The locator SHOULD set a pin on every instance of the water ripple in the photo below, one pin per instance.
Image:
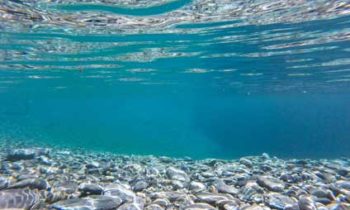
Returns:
(252, 45)
(153, 10)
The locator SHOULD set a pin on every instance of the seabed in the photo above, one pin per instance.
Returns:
(52, 178)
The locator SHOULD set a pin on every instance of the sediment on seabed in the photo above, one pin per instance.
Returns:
(44, 178)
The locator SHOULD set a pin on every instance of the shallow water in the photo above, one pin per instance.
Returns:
(178, 78)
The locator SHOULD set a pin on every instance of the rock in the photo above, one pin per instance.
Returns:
(326, 177)
(38, 183)
(230, 206)
(265, 167)
(92, 164)
(293, 207)
(4, 183)
(324, 201)
(169, 195)
(246, 162)
(257, 198)
(271, 183)
(94, 202)
(177, 174)
(22, 177)
(185, 201)
(211, 198)
(48, 170)
(25, 154)
(18, 199)
(177, 184)
(117, 190)
(151, 172)
(323, 193)
(290, 178)
(208, 174)
(109, 181)
(339, 206)
(343, 184)
(17, 167)
(306, 203)
(250, 191)
(140, 185)
(199, 206)
(265, 156)
(137, 204)
(254, 207)
(5, 168)
(67, 186)
(52, 197)
(129, 206)
(342, 171)
(224, 188)
(278, 201)
(196, 186)
(45, 160)
(154, 207)
(162, 202)
(90, 189)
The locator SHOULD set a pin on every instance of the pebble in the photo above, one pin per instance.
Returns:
(246, 162)
(45, 160)
(224, 188)
(25, 154)
(140, 185)
(306, 203)
(278, 201)
(343, 184)
(18, 199)
(129, 206)
(4, 183)
(255, 207)
(38, 183)
(90, 189)
(199, 206)
(196, 186)
(94, 202)
(162, 202)
(211, 198)
(154, 207)
(177, 174)
(249, 191)
(51, 179)
(271, 183)
(339, 206)
(119, 191)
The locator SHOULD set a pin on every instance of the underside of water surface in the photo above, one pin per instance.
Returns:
(197, 78)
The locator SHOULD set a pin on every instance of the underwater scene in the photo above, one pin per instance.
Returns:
(175, 104)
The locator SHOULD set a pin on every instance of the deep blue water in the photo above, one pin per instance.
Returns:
(174, 123)
(177, 78)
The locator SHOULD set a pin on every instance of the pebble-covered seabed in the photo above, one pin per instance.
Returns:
(48, 178)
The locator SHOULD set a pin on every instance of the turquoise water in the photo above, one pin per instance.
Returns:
(179, 78)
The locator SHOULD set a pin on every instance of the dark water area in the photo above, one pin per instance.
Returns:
(179, 123)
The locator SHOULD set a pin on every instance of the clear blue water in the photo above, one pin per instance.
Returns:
(179, 78)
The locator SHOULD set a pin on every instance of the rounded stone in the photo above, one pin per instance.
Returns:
(278, 201)
(38, 183)
(90, 189)
(94, 202)
(271, 183)
(18, 199)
